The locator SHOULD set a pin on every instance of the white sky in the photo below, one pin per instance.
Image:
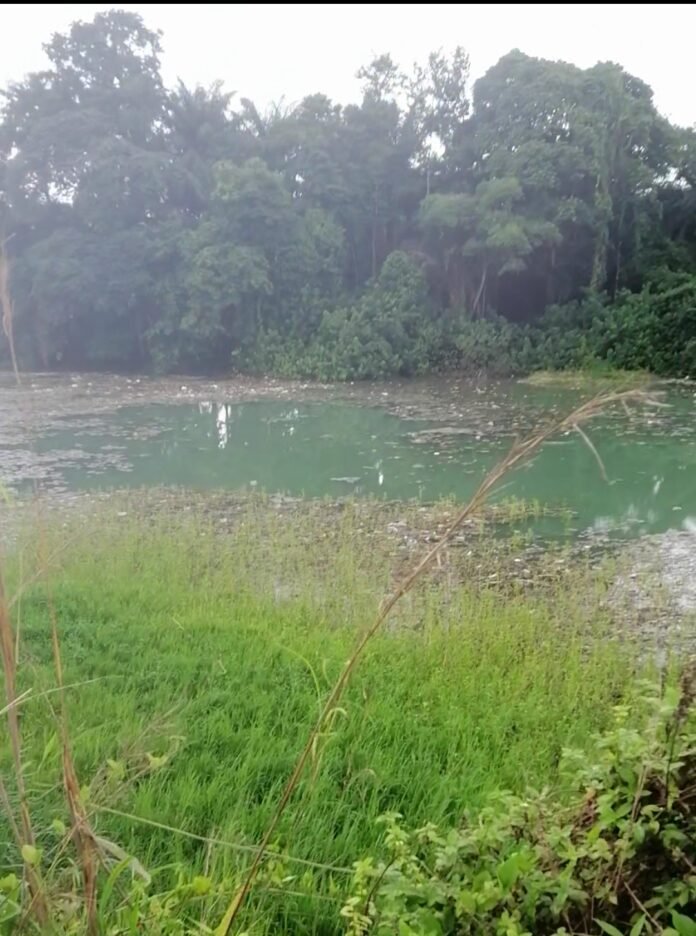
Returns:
(273, 51)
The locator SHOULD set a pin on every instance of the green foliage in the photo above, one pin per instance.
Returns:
(391, 329)
(492, 346)
(182, 229)
(609, 851)
(189, 702)
(654, 330)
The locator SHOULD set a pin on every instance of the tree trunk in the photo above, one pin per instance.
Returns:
(374, 248)
(604, 209)
(41, 342)
(617, 274)
(375, 217)
(550, 293)
(481, 292)
(453, 274)
(599, 260)
(7, 308)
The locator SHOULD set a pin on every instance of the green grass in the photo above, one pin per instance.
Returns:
(216, 651)
(594, 377)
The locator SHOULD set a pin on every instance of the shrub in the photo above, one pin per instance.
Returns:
(611, 851)
(494, 346)
(653, 330)
(390, 330)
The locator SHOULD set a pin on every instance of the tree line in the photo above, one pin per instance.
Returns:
(545, 216)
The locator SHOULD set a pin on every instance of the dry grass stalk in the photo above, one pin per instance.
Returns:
(520, 452)
(687, 691)
(211, 840)
(22, 829)
(82, 834)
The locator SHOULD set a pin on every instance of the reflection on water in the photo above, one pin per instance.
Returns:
(337, 449)
(222, 417)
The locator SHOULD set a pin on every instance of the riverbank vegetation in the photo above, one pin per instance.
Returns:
(543, 218)
(195, 655)
(195, 658)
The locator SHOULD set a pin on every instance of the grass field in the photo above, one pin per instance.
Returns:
(199, 661)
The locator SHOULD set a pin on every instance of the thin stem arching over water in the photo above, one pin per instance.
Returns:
(520, 453)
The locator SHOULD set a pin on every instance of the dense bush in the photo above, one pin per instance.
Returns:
(495, 346)
(654, 330)
(392, 329)
(613, 850)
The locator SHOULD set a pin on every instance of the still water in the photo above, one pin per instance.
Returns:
(337, 449)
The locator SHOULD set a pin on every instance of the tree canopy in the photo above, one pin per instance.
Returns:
(183, 228)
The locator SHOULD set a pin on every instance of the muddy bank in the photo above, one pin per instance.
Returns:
(643, 592)
(478, 405)
(648, 586)
(655, 588)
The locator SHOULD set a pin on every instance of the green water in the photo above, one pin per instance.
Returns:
(339, 449)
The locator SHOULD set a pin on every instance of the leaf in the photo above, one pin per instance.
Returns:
(31, 854)
(685, 926)
(49, 748)
(637, 927)
(117, 768)
(608, 928)
(9, 884)
(466, 902)
(108, 887)
(201, 885)
(509, 871)
(155, 762)
(225, 923)
(115, 850)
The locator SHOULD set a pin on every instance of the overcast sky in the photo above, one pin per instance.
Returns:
(272, 51)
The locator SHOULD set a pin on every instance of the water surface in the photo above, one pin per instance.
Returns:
(338, 448)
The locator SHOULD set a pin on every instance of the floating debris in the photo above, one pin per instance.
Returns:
(426, 436)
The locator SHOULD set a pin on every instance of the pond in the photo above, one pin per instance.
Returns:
(386, 445)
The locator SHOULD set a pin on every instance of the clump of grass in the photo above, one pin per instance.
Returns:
(197, 687)
(592, 377)
(20, 822)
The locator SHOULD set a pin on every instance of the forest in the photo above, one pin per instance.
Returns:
(543, 217)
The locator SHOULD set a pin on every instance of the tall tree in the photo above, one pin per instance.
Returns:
(184, 227)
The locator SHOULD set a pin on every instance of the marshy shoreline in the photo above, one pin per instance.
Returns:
(201, 630)
(651, 592)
